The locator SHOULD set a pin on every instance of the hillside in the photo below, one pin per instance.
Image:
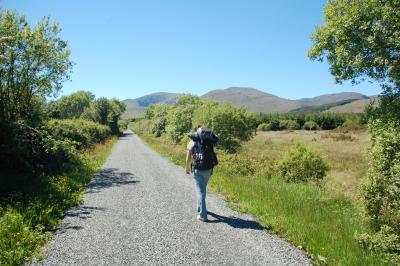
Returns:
(258, 101)
(357, 106)
(254, 100)
(135, 107)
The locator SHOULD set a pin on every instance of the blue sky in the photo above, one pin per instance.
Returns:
(127, 49)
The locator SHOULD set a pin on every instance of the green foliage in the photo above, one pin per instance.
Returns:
(82, 132)
(106, 112)
(36, 61)
(289, 124)
(323, 120)
(179, 122)
(17, 239)
(360, 39)
(381, 194)
(26, 153)
(386, 241)
(265, 127)
(231, 124)
(158, 113)
(71, 106)
(310, 125)
(302, 164)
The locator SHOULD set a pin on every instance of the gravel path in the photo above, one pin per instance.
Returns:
(140, 210)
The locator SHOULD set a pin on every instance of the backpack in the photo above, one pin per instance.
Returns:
(203, 155)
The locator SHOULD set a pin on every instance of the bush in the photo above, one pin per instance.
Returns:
(381, 194)
(302, 164)
(288, 124)
(84, 133)
(123, 125)
(265, 127)
(231, 124)
(310, 125)
(17, 240)
(27, 153)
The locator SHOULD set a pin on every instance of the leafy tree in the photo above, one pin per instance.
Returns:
(232, 124)
(71, 106)
(117, 108)
(179, 120)
(34, 62)
(360, 39)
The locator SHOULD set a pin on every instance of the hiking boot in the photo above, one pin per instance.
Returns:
(202, 219)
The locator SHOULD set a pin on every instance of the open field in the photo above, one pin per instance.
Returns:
(324, 221)
(345, 151)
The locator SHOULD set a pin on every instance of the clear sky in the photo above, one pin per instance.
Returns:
(127, 49)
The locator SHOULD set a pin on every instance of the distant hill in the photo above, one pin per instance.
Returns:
(354, 107)
(254, 100)
(135, 107)
(323, 107)
(331, 98)
(258, 101)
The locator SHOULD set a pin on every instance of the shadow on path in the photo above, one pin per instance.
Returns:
(235, 222)
(110, 177)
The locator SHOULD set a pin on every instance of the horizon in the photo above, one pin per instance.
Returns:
(131, 49)
(200, 95)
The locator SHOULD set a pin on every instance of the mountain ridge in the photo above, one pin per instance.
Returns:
(252, 99)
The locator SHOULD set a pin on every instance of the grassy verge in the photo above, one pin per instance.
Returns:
(322, 223)
(26, 218)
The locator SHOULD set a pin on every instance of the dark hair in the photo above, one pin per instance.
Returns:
(197, 127)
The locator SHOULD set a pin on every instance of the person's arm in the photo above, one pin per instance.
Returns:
(188, 159)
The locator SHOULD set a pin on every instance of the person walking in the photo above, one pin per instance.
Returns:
(200, 160)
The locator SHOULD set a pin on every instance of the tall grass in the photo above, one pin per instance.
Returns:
(321, 223)
(26, 218)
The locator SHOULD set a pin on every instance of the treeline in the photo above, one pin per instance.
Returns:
(232, 124)
(308, 121)
(47, 147)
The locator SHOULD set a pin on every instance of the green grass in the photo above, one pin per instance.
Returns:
(26, 218)
(321, 223)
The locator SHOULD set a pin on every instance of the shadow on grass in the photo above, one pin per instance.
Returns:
(110, 177)
(235, 222)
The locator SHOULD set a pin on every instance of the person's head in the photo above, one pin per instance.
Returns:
(198, 129)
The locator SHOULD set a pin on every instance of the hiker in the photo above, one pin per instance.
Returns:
(200, 160)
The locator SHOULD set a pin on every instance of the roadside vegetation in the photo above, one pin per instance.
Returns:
(300, 184)
(49, 149)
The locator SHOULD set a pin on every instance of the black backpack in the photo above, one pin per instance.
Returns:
(203, 155)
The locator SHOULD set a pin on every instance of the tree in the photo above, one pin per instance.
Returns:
(34, 62)
(232, 124)
(71, 106)
(360, 39)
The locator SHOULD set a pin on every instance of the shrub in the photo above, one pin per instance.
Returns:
(17, 239)
(265, 127)
(381, 194)
(123, 125)
(310, 125)
(288, 124)
(179, 122)
(27, 153)
(83, 133)
(301, 164)
(232, 124)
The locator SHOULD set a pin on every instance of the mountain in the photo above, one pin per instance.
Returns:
(135, 107)
(254, 100)
(257, 101)
(357, 106)
(332, 98)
